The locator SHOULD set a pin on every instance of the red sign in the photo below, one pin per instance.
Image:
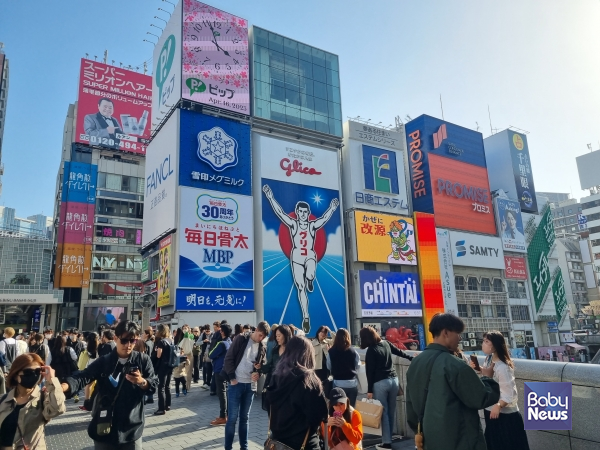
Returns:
(461, 195)
(296, 166)
(113, 109)
(514, 266)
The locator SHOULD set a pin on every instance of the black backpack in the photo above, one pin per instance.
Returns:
(173, 360)
(10, 355)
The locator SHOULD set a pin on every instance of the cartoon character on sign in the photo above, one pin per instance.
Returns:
(303, 230)
(401, 250)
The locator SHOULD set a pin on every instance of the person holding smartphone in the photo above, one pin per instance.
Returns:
(344, 422)
(504, 428)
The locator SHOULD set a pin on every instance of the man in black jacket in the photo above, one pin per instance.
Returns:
(243, 360)
(208, 368)
(108, 343)
(122, 377)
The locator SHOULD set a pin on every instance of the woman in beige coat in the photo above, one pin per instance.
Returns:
(25, 410)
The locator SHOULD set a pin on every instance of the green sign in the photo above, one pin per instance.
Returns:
(560, 298)
(537, 255)
(145, 276)
(155, 275)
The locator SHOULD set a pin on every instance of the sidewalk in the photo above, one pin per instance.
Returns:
(186, 426)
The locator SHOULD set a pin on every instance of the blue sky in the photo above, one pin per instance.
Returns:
(534, 63)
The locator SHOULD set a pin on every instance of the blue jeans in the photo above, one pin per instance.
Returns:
(239, 402)
(386, 392)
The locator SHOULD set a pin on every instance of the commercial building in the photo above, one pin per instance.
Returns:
(99, 197)
(4, 84)
(33, 226)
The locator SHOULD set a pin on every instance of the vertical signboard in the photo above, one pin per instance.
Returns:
(166, 78)
(164, 276)
(216, 240)
(303, 267)
(510, 225)
(383, 238)
(215, 154)
(161, 181)
(537, 256)
(446, 271)
(514, 268)
(113, 107)
(215, 58)
(389, 294)
(519, 152)
(429, 268)
(560, 297)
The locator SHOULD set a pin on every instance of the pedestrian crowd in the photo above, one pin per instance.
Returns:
(310, 386)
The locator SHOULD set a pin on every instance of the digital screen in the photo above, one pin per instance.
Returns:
(95, 316)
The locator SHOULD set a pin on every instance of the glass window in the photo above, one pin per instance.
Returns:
(485, 285)
(307, 102)
(370, 266)
(395, 268)
(308, 119)
(290, 47)
(462, 311)
(501, 311)
(293, 116)
(292, 81)
(262, 90)
(276, 42)
(472, 284)
(570, 211)
(262, 109)
(261, 37)
(520, 312)
(318, 57)
(319, 73)
(498, 285)
(459, 283)
(304, 52)
(291, 64)
(293, 97)
(475, 310)
(276, 60)
(101, 182)
(305, 68)
(488, 311)
(113, 181)
(320, 90)
(335, 110)
(278, 111)
(261, 54)
(321, 106)
(306, 86)
(332, 62)
(335, 126)
(321, 123)
(333, 78)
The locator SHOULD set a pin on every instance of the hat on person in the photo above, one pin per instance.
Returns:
(337, 395)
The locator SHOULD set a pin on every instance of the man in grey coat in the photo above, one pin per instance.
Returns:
(103, 124)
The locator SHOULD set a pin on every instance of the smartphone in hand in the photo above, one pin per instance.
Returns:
(476, 362)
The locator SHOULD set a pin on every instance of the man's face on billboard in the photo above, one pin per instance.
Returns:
(302, 214)
(106, 108)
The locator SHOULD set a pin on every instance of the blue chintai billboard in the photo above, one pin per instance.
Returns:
(389, 294)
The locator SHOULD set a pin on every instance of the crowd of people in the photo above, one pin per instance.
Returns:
(310, 388)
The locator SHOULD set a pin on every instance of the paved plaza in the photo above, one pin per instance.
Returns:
(186, 426)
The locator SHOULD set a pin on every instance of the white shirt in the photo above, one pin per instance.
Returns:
(505, 377)
(243, 372)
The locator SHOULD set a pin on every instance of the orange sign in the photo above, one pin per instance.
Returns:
(73, 263)
(461, 195)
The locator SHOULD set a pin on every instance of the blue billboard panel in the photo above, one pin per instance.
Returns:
(214, 300)
(521, 163)
(389, 294)
(215, 154)
(79, 182)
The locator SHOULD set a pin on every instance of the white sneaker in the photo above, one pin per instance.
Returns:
(383, 446)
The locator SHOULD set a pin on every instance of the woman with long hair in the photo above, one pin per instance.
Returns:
(382, 380)
(162, 349)
(320, 348)
(237, 330)
(343, 363)
(295, 397)
(178, 336)
(272, 342)
(504, 426)
(282, 336)
(344, 422)
(64, 359)
(88, 356)
(25, 410)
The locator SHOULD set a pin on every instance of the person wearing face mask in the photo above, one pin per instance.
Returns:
(37, 346)
(25, 410)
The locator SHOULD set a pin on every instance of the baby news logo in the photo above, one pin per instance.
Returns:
(548, 406)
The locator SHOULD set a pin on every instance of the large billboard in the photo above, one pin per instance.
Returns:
(560, 298)
(73, 262)
(447, 271)
(216, 65)
(389, 294)
(161, 182)
(383, 238)
(521, 163)
(474, 250)
(113, 107)
(301, 235)
(79, 182)
(373, 160)
(76, 223)
(166, 78)
(215, 154)
(165, 255)
(538, 251)
(214, 300)
(587, 167)
(515, 267)
(461, 196)
(510, 225)
(216, 240)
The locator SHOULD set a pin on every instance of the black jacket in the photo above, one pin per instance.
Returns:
(106, 349)
(236, 352)
(378, 362)
(294, 410)
(128, 412)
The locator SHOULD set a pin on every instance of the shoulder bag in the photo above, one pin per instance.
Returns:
(104, 415)
(272, 444)
(419, 438)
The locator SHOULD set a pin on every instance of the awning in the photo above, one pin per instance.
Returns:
(576, 346)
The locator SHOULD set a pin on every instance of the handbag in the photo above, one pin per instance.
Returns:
(419, 438)
(272, 444)
(342, 444)
(371, 412)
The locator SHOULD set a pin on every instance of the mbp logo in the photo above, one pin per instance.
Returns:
(381, 171)
(439, 136)
(548, 406)
(461, 250)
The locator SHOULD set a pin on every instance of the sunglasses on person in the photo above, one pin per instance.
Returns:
(128, 341)
(28, 372)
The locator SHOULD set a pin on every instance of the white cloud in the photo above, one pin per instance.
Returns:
(270, 241)
(335, 243)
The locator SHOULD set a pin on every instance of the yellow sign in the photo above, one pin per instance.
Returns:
(164, 275)
(518, 142)
(385, 238)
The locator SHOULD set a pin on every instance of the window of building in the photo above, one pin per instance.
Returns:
(485, 285)
(472, 284)
(501, 311)
(462, 311)
(395, 268)
(488, 311)
(119, 208)
(520, 312)
(498, 285)
(560, 214)
(570, 211)
(516, 289)
(459, 283)
(475, 310)
(579, 209)
(370, 266)
(571, 220)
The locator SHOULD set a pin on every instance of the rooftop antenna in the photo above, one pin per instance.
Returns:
(155, 26)
(168, 2)
(156, 17)
(490, 117)
(408, 118)
(95, 58)
(105, 56)
(113, 62)
(145, 67)
(87, 56)
(442, 107)
(589, 146)
(158, 37)
(153, 43)
(476, 123)
(160, 9)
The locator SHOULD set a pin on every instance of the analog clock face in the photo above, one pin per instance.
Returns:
(215, 57)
